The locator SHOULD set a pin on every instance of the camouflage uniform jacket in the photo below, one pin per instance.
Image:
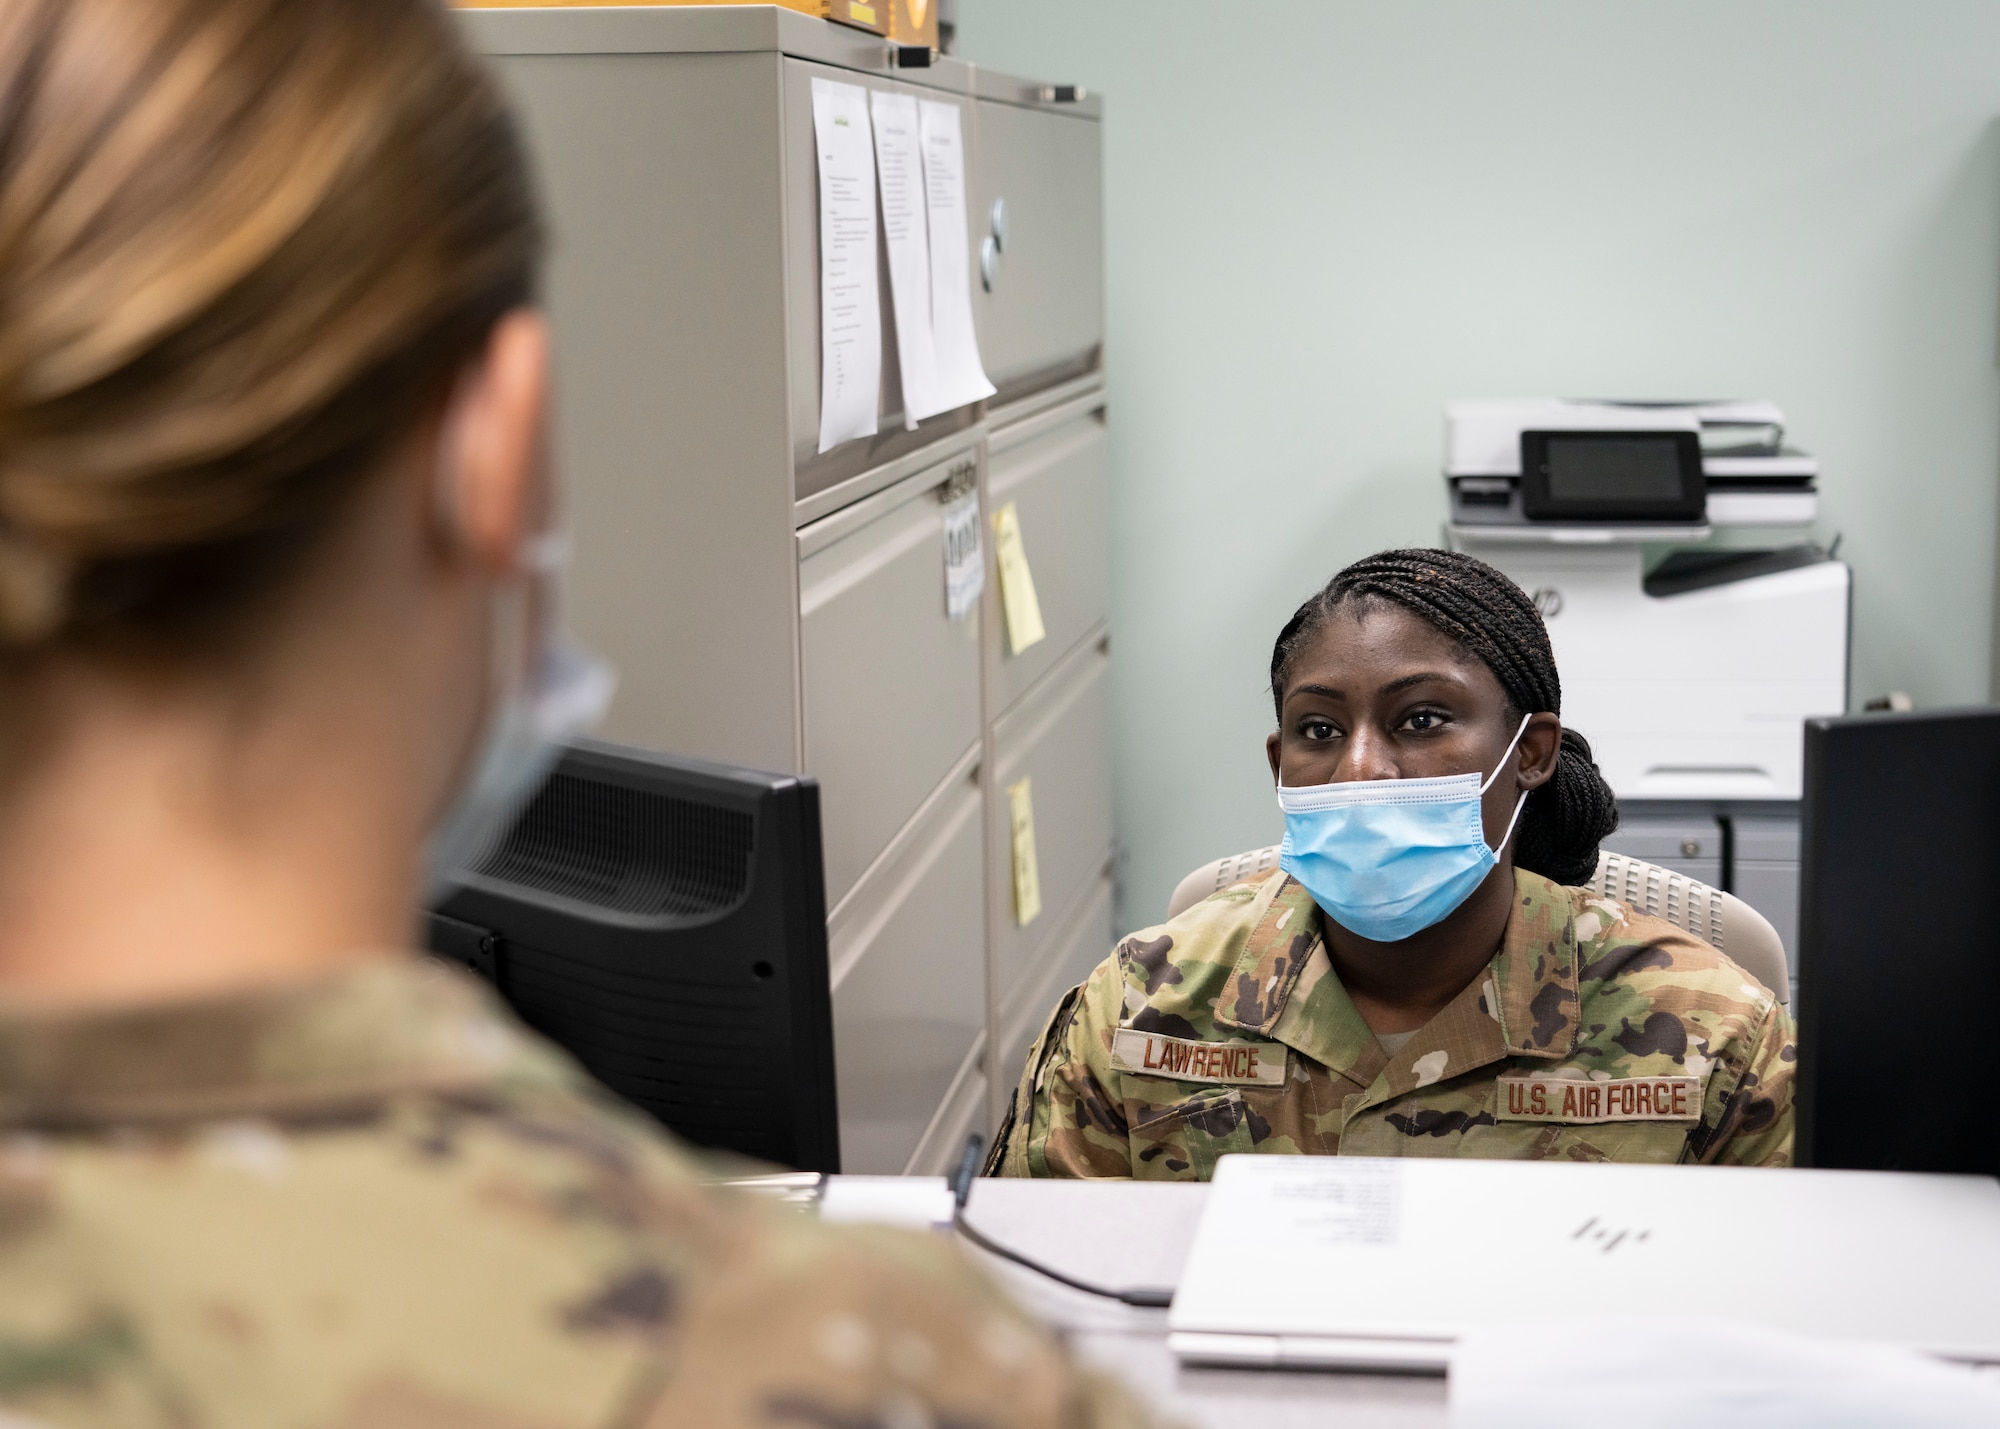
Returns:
(374, 1201)
(1595, 1034)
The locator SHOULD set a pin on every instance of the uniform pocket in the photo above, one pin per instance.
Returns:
(1181, 1141)
(1633, 1142)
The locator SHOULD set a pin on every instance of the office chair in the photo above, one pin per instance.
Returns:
(1719, 919)
(1223, 873)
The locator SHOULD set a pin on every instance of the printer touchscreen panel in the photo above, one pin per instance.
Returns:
(1612, 476)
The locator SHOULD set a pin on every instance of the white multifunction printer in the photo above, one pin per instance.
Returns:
(1690, 664)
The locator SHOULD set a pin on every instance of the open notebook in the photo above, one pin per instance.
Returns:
(1359, 1263)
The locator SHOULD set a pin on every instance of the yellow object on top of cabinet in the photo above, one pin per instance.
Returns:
(912, 22)
(848, 12)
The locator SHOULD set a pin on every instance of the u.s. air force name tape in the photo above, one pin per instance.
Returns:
(1236, 1063)
(1620, 1099)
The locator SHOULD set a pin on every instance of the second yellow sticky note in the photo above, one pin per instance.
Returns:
(1017, 582)
(1027, 874)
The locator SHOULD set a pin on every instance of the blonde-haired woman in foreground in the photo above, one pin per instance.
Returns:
(272, 485)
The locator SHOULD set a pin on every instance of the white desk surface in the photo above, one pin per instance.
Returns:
(1132, 1234)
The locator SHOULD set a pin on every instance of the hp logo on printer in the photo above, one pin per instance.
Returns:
(1548, 600)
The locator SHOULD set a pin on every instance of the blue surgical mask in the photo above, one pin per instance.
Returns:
(1385, 858)
(561, 689)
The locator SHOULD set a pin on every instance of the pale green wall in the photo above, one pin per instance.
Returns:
(1324, 218)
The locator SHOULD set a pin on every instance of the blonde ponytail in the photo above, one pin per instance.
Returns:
(34, 593)
(244, 247)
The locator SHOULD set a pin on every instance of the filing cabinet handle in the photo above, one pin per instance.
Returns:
(989, 262)
(958, 481)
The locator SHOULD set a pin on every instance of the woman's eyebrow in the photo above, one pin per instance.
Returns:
(1400, 683)
(1403, 682)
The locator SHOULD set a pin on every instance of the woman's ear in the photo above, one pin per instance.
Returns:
(1271, 753)
(492, 472)
(1538, 751)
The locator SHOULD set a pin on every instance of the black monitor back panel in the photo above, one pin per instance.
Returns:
(664, 920)
(1899, 942)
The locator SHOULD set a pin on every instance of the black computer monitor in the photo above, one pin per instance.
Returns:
(1899, 945)
(664, 920)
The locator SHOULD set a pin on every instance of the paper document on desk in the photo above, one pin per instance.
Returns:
(1673, 1374)
(914, 1202)
(961, 375)
(899, 166)
(850, 313)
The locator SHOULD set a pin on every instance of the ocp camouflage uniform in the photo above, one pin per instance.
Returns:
(373, 1203)
(1595, 1034)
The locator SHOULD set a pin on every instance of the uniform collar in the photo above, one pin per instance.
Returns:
(331, 1046)
(1524, 1004)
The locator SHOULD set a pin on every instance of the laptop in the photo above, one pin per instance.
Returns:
(1381, 1264)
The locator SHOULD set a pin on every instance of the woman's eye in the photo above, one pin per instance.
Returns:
(1424, 720)
(1317, 729)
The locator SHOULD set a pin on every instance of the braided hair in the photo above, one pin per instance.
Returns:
(1567, 817)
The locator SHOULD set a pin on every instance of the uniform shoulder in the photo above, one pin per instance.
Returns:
(524, 1210)
(774, 1314)
(1617, 942)
(827, 1325)
(1170, 974)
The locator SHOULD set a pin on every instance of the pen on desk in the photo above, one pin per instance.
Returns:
(968, 1167)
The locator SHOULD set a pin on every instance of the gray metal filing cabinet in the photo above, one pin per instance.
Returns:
(771, 605)
(1765, 874)
(1686, 843)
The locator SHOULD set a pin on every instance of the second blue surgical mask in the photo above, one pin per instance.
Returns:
(561, 691)
(1386, 858)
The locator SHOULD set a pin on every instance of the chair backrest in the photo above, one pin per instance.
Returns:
(1720, 919)
(1221, 874)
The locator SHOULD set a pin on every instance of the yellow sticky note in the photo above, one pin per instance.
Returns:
(1017, 583)
(1027, 877)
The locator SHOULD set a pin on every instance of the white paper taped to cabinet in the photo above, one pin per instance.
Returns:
(964, 557)
(850, 313)
(899, 167)
(960, 373)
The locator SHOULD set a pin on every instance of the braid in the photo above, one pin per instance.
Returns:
(1567, 817)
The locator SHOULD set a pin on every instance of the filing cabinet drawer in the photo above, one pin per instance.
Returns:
(1043, 318)
(1689, 844)
(1082, 942)
(890, 685)
(1059, 738)
(1766, 875)
(909, 982)
(963, 1110)
(1059, 479)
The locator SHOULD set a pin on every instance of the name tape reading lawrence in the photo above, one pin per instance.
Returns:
(1232, 1063)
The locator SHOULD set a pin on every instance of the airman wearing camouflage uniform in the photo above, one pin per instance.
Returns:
(278, 645)
(1596, 1034)
(371, 1201)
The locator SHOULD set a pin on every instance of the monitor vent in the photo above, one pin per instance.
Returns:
(626, 850)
